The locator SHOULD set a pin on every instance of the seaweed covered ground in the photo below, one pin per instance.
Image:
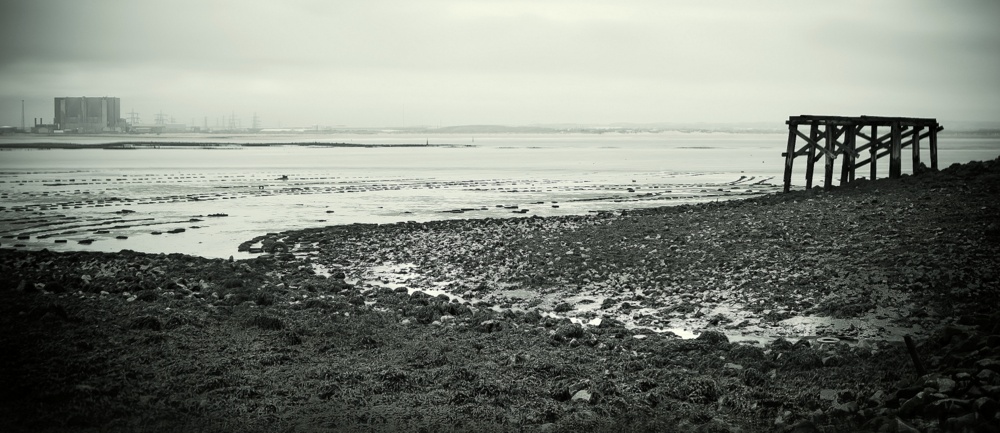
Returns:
(798, 303)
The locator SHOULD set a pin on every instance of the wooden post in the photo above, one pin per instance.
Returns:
(790, 153)
(813, 139)
(828, 167)
(873, 150)
(933, 145)
(847, 167)
(916, 149)
(895, 167)
(912, 348)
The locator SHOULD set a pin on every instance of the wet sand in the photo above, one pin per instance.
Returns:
(208, 214)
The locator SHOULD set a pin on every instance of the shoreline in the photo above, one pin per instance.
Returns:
(148, 145)
(360, 327)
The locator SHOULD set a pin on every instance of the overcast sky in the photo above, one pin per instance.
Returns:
(461, 62)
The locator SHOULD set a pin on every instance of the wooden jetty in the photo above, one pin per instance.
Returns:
(828, 137)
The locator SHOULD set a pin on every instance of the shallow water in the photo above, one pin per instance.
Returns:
(69, 195)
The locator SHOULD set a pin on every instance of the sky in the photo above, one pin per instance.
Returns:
(371, 63)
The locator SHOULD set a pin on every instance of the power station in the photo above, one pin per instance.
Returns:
(84, 114)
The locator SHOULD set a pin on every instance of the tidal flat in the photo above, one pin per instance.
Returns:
(784, 312)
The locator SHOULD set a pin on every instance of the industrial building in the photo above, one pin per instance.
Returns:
(84, 114)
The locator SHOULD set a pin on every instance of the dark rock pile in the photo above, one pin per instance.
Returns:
(961, 392)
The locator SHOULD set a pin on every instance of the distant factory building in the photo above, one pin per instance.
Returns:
(89, 114)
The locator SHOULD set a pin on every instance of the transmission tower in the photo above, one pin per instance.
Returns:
(133, 117)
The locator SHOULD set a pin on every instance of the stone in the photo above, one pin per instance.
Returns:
(989, 363)
(844, 408)
(947, 407)
(907, 393)
(961, 423)
(903, 427)
(489, 326)
(877, 398)
(581, 395)
(781, 344)
(915, 405)
(828, 394)
(804, 426)
(714, 338)
(987, 407)
(55, 287)
(993, 341)
(986, 376)
(945, 385)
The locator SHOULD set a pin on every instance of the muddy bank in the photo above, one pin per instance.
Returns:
(537, 324)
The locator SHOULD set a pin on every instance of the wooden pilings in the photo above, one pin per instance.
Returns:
(834, 136)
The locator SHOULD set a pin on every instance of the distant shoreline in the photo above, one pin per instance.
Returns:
(135, 145)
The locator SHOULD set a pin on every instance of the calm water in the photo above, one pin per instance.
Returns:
(69, 195)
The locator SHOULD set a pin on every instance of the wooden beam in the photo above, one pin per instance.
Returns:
(847, 166)
(809, 141)
(873, 152)
(915, 154)
(831, 131)
(933, 145)
(885, 152)
(793, 128)
(895, 166)
(814, 133)
(881, 140)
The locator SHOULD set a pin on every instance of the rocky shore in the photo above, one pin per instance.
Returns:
(798, 304)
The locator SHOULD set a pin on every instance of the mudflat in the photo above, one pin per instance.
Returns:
(782, 312)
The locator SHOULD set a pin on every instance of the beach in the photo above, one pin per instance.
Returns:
(784, 312)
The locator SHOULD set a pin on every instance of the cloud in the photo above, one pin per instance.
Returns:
(347, 62)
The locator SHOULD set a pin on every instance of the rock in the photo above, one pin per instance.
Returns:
(877, 398)
(962, 423)
(831, 361)
(781, 344)
(989, 363)
(54, 287)
(581, 395)
(986, 376)
(489, 326)
(714, 338)
(804, 426)
(987, 407)
(907, 393)
(915, 405)
(844, 408)
(903, 427)
(993, 341)
(945, 385)
(146, 322)
(947, 407)
(802, 343)
(828, 394)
